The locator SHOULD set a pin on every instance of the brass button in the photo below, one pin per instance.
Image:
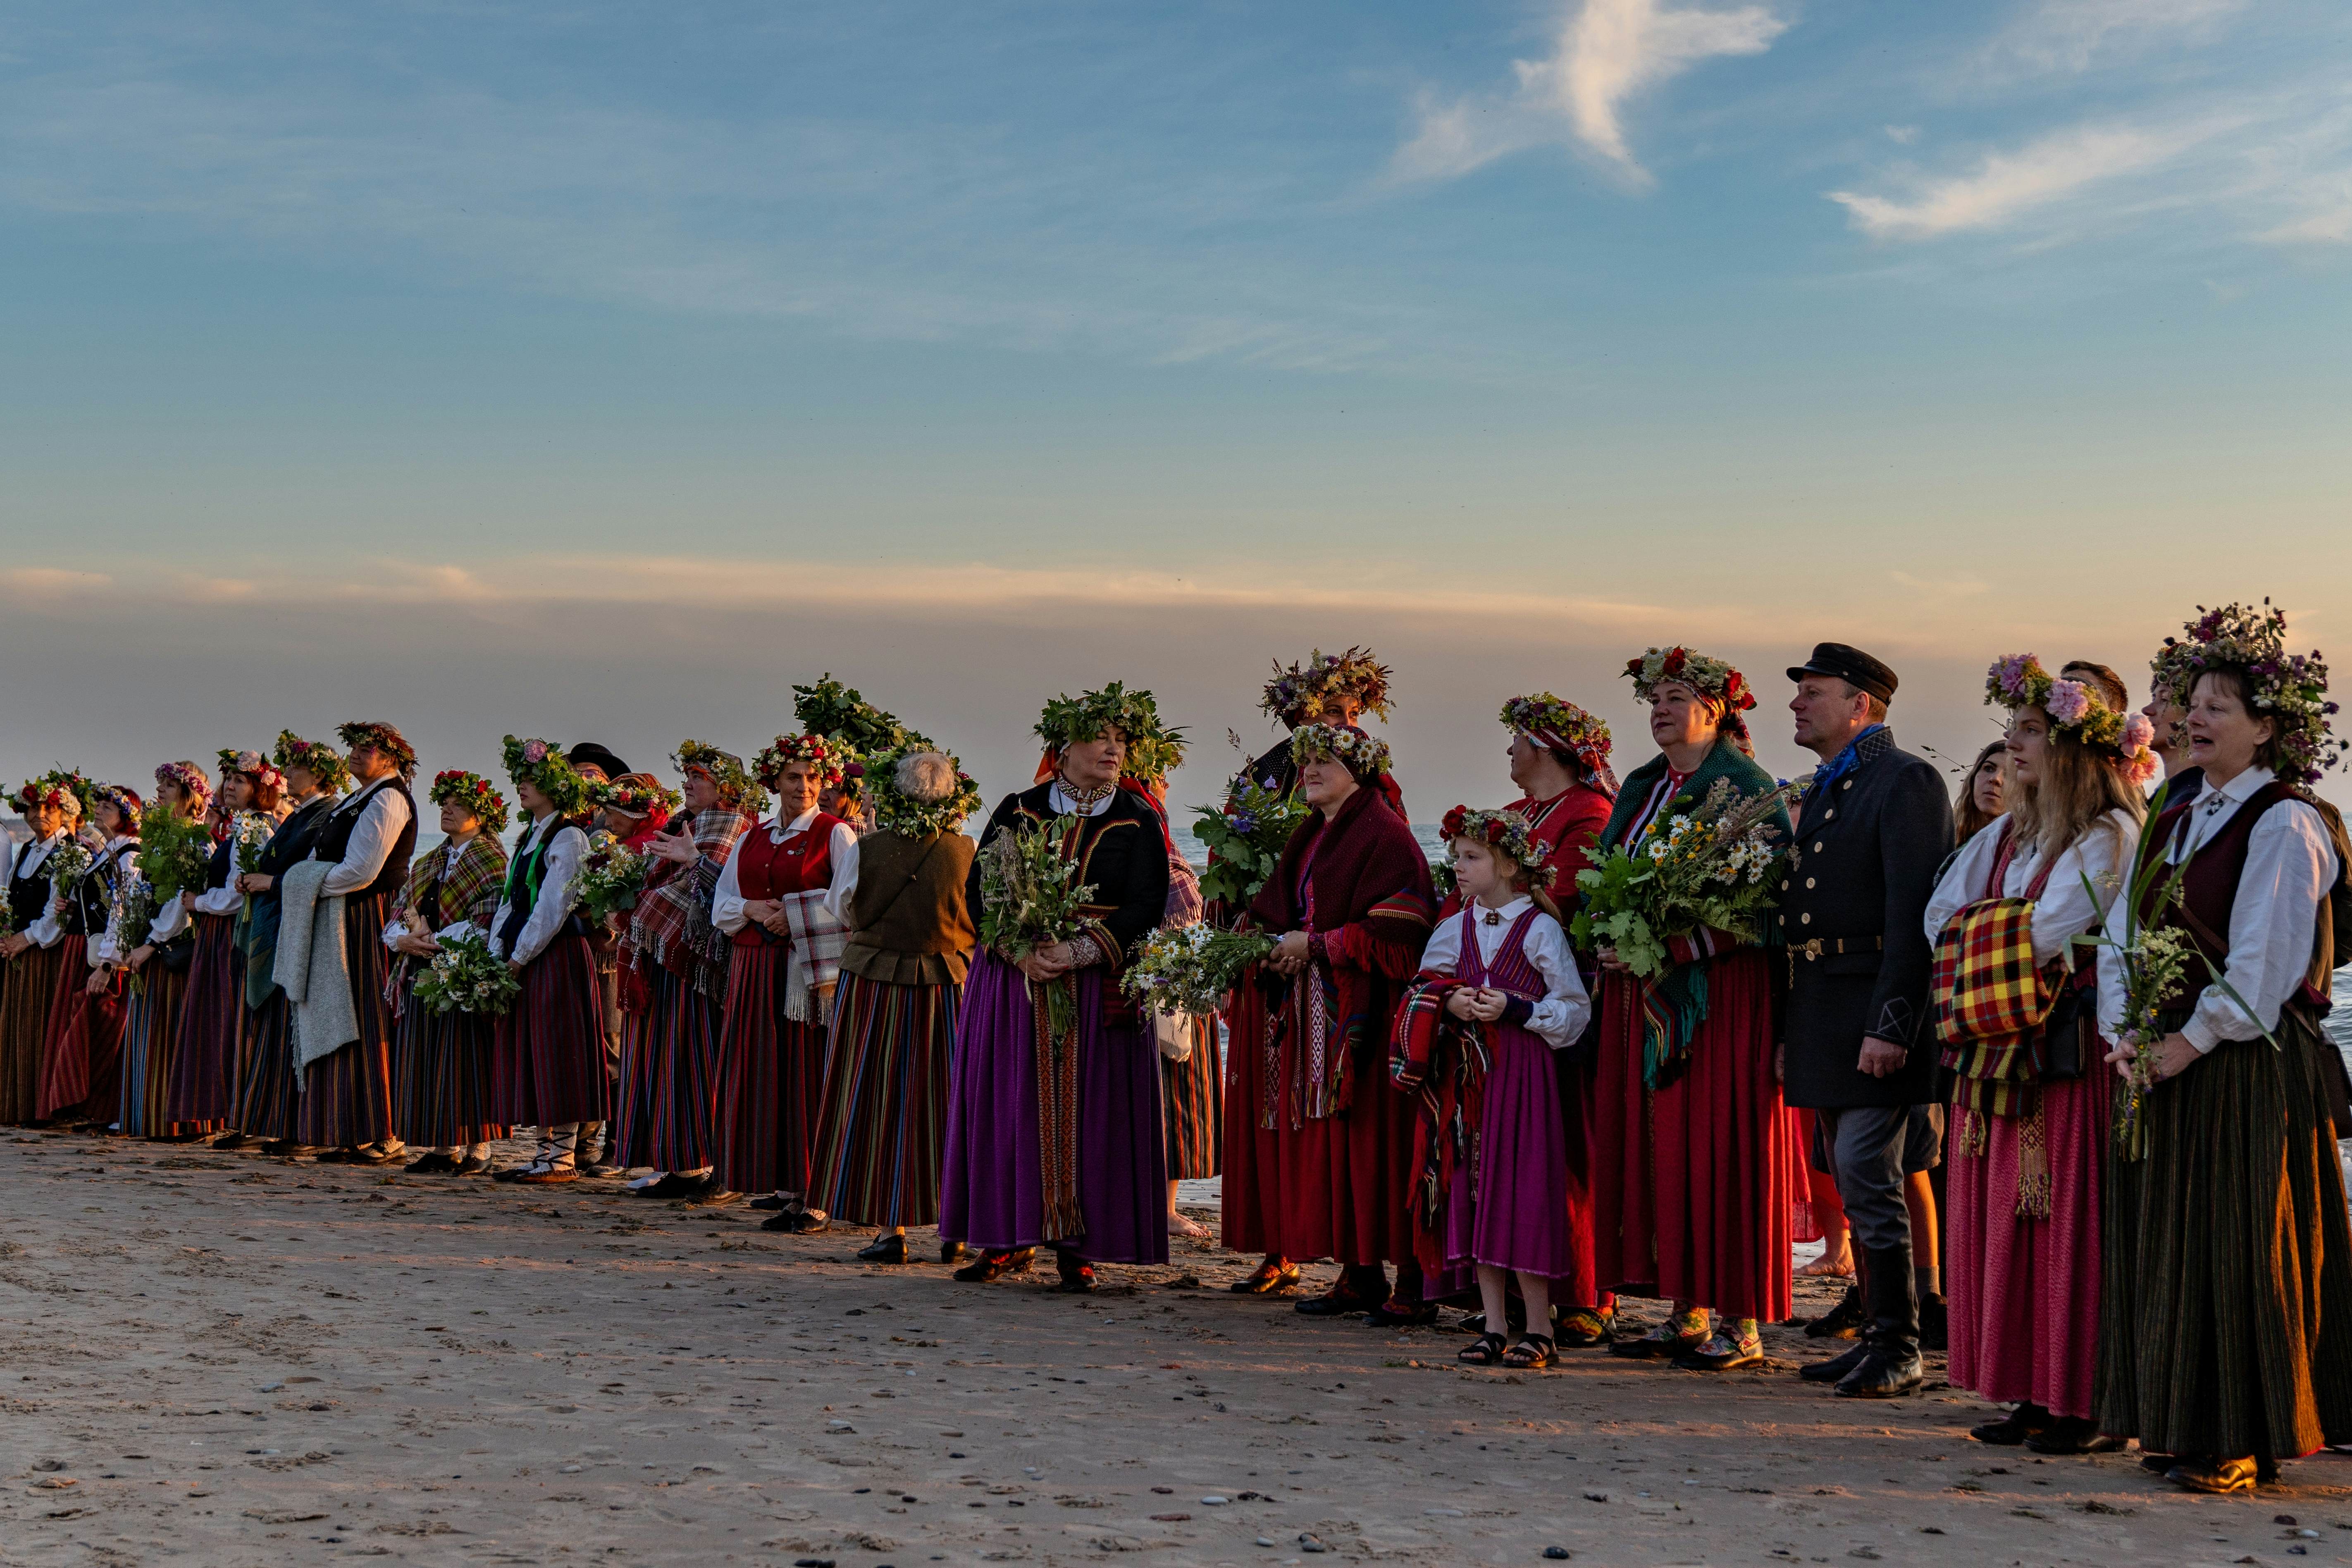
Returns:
(1809, 881)
(1817, 845)
(1849, 783)
(1805, 920)
(1832, 812)
(1784, 884)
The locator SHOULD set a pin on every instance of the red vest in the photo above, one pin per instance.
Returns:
(767, 870)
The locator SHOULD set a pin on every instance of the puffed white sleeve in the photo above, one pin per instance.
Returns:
(2067, 908)
(1964, 879)
(48, 927)
(170, 920)
(393, 930)
(845, 872)
(373, 837)
(1567, 1006)
(727, 901)
(559, 887)
(1442, 955)
(2290, 865)
(225, 899)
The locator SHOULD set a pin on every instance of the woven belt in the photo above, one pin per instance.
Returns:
(1815, 947)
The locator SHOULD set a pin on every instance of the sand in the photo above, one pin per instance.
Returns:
(224, 1359)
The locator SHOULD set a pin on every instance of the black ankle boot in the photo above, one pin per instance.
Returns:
(1891, 1365)
(1843, 1321)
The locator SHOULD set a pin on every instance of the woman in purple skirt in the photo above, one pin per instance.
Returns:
(1056, 1138)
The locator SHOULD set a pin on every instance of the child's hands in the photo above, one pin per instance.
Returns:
(1463, 1004)
(1489, 1005)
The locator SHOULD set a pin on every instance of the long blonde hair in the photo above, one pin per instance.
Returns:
(2079, 784)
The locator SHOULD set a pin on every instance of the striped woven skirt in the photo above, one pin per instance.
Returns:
(684, 1024)
(208, 1066)
(346, 1097)
(2226, 1306)
(443, 1073)
(81, 1047)
(151, 1049)
(550, 1055)
(884, 1112)
(1191, 1093)
(770, 1079)
(266, 1099)
(632, 1092)
(28, 984)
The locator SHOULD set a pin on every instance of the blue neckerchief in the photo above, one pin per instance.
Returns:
(1837, 767)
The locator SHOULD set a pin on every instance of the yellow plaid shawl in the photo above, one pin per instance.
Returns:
(1990, 1003)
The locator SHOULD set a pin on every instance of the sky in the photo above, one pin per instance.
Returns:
(599, 371)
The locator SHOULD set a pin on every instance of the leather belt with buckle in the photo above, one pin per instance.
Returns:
(1815, 947)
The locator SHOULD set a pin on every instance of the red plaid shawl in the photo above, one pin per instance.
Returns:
(1443, 1063)
(672, 921)
(1991, 1001)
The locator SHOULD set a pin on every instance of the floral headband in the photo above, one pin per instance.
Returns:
(124, 799)
(322, 761)
(829, 761)
(384, 738)
(895, 811)
(61, 791)
(1549, 721)
(723, 769)
(1710, 678)
(2020, 681)
(1364, 755)
(542, 764)
(1507, 834)
(260, 769)
(1307, 693)
(192, 780)
(634, 794)
(2288, 689)
(477, 793)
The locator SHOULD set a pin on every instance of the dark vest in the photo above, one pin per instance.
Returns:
(908, 920)
(223, 862)
(335, 837)
(2209, 893)
(93, 897)
(28, 896)
(291, 843)
(524, 873)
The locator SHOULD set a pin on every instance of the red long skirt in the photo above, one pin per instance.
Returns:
(215, 1033)
(29, 988)
(81, 1047)
(770, 1079)
(1252, 1199)
(547, 1070)
(1818, 1203)
(1700, 1176)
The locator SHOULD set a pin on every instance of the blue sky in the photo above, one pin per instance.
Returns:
(887, 332)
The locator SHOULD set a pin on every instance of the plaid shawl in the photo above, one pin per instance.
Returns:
(471, 894)
(814, 960)
(1991, 999)
(1443, 1063)
(672, 924)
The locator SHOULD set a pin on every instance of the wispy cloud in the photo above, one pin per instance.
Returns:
(2320, 229)
(1605, 53)
(2074, 36)
(2004, 186)
(38, 586)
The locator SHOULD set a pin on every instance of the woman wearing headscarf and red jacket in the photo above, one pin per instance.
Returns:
(1352, 900)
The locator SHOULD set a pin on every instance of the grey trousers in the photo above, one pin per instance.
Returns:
(1870, 1149)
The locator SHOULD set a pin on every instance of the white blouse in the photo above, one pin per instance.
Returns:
(558, 886)
(2066, 909)
(46, 929)
(383, 815)
(2290, 865)
(396, 927)
(1566, 1007)
(726, 902)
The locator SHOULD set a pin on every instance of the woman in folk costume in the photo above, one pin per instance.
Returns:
(902, 969)
(1695, 1166)
(598, 766)
(1053, 1128)
(215, 1036)
(1192, 1076)
(444, 1079)
(267, 1101)
(170, 866)
(771, 902)
(683, 960)
(1497, 996)
(365, 841)
(548, 1057)
(2030, 1118)
(1352, 903)
(634, 808)
(52, 807)
(81, 1048)
(2226, 1329)
(1330, 688)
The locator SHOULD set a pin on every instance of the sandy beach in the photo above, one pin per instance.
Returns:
(218, 1358)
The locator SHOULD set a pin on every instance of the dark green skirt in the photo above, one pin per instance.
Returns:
(2226, 1329)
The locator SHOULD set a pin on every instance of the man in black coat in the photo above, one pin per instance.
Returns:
(1857, 1048)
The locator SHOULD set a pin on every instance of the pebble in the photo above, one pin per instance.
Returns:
(1214, 1501)
(1557, 1554)
(1266, 1541)
(1442, 1513)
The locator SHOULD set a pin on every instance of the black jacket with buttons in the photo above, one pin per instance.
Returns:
(1853, 908)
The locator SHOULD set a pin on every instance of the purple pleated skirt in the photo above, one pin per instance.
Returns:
(1513, 1213)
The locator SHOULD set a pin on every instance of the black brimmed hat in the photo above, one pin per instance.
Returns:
(1851, 665)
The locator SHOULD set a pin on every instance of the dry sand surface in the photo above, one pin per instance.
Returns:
(223, 1359)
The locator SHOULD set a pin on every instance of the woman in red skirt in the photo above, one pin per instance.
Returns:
(34, 967)
(215, 1036)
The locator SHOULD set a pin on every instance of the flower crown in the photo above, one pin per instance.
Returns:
(1363, 754)
(2020, 681)
(724, 769)
(1066, 721)
(1551, 721)
(192, 780)
(384, 738)
(261, 768)
(1507, 834)
(1710, 677)
(634, 794)
(65, 791)
(1303, 694)
(477, 794)
(124, 799)
(322, 762)
(542, 764)
(895, 811)
(2289, 689)
(829, 760)
(840, 714)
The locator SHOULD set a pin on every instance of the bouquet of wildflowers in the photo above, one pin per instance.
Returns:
(70, 862)
(172, 853)
(1030, 900)
(1245, 837)
(465, 976)
(611, 877)
(1714, 863)
(253, 831)
(1193, 969)
(134, 912)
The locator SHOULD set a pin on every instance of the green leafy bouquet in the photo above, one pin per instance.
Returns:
(1193, 969)
(465, 976)
(611, 877)
(1713, 864)
(841, 714)
(68, 863)
(1245, 837)
(173, 854)
(1030, 900)
(134, 916)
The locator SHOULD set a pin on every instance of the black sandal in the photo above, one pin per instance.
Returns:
(1486, 1349)
(1526, 1357)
